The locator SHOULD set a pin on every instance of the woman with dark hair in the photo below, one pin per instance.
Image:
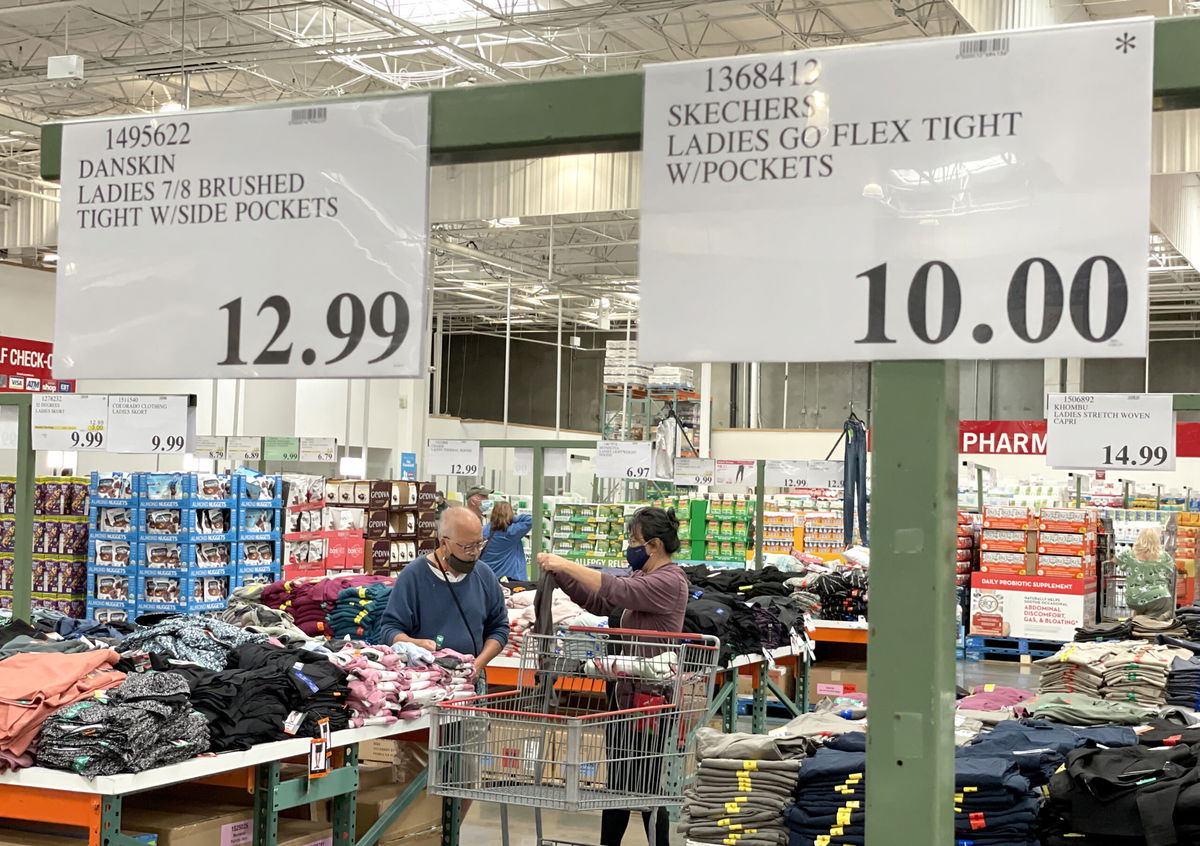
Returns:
(654, 598)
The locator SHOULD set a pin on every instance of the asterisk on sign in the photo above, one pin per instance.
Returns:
(1125, 42)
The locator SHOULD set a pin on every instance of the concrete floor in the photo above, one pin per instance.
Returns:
(482, 825)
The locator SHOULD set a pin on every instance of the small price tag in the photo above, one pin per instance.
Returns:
(787, 474)
(242, 448)
(555, 462)
(281, 449)
(211, 447)
(148, 424)
(629, 460)
(318, 449)
(809, 625)
(1110, 431)
(452, 458)
(292, 724)
(70, 422)
(695, 471)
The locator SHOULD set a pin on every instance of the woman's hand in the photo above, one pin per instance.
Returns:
(551, 562)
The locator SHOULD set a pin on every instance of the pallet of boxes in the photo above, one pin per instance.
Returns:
(1037, 574)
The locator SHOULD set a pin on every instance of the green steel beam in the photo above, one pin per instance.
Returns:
(603, 112)
(23, 540)
(1188, 402)
(760, 507)
(910, 650)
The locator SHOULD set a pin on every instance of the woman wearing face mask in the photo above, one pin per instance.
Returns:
(654, 599)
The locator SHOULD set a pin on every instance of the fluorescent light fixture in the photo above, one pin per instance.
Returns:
(353, 466)
(501, 222)
(171, 106)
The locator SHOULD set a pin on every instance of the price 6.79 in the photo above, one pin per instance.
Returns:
(1143, 456)
(346, 319)
(1111, 286)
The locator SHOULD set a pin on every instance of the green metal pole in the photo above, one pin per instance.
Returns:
(1078, 489)
(535, 539)
(979, 487)
(910, 748)
(760, 497)
(23, 541)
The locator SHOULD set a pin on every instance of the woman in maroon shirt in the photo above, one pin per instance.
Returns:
(654, 599)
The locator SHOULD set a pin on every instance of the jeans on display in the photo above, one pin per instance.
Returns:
(855, 480)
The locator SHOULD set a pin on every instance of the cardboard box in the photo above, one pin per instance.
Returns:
(423, 815)
(783, 677)
(836, 678)
(1030, 607)
(1066, 543)
(1007, 540)
(379, 751)
(220, 824)
(1008, 563)
(1067, 520)
(1066, 566)
(379, 495)
(17, 837)
(1007, 517)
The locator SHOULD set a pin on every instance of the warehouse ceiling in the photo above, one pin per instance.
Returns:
(147, 56)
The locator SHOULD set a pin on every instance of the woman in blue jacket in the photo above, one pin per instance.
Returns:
(503, 532)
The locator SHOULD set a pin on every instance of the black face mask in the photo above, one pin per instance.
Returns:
(461, 565)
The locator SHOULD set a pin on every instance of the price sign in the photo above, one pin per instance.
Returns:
(147, 424)
(354, 307)
(555, 462)
(452, 458)
(735, 473)
(242, 448)
(210, 447)
(827, 474)
(1110, 431)
(70, 422)
(788, 474)
(836, 182)
(630, 460)
(695, 471)
(318, 449)
(281, 449)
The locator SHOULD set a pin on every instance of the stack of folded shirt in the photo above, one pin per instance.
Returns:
(359, 611)
(1189, 617)
(830, 807)
(401, 682)
(1148, 628)
(994, 803)
(1183, 683)
(1078, 709)
(1038, 747)
(1099, 632)
(247, 611)
(199, 640)
(311, 601)
(145, 722)
(1076, 668)
(1138, 673)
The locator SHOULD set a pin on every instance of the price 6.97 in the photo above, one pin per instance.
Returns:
(1112, 287)
(637, 473)
(1144, 456)
(347, 319)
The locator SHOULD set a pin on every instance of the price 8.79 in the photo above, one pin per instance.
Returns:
(347, 319)
(1135, 456)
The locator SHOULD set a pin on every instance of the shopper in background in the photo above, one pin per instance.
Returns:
(448, 599)
(654, 599)
(439, 501)
(478, 502)
(1149, 577)
(505, 553)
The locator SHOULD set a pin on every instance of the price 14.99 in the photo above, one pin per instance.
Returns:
(1136, 456)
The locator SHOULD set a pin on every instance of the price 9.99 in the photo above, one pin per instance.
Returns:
(90, 439)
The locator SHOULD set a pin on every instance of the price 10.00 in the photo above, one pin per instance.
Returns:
(1143, 456)
(1112, 286)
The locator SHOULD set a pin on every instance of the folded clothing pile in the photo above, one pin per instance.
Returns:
(359, 611)
(32, 687)
(1038, 748)
(1079, 709)
(994, 803)
(247, 611)
(1076, 668)
(199, 640)
(841, 595)
(401, 682)
(1183, 683)
(250, 701)
(739, 800)
(147, 721)
(1100, 632)
(1189, 618)
(831, 797)
(1148, 628)
(1131, 671)
(312, 601)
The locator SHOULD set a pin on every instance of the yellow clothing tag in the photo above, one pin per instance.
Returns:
(970, 790)
(856, 805)
(732, 807)
(750, 765)
(988, 688)
(837, 831)
(723, 821)
(736, 827)
(855, 776)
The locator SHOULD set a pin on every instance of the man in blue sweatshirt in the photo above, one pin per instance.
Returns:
(448, 598)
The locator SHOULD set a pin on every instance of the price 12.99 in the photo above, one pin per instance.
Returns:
(347, 319)
(1111, 284)
(464, 470)
(1143, 456)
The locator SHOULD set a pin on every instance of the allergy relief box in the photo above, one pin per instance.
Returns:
(1030, 607)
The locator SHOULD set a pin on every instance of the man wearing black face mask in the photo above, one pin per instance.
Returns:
(447, 599)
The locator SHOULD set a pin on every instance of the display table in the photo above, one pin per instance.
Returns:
(37, 794)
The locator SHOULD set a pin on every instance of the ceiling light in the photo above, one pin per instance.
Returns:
(171, 106)
(502, 222)
(19, 132)
(50, 258)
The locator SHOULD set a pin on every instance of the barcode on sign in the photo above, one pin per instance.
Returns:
(982, 47)
(315, 115)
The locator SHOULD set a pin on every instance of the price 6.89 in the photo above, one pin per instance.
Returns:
(1113, 288)
(347, 319)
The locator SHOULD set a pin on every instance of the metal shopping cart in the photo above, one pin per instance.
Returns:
(600, 719)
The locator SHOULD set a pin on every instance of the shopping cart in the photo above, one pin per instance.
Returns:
(600, 719)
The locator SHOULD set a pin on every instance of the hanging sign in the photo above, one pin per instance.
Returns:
(975, 220)
(827, 474)
(734, 472)
(555, 462)
(1110, 431)
(209, 447)
(70, 422)
(695, 471)
(318, 449)
(628, 460)
(787, 474)
(26, 365)
(147, 424)
(281, 449)
(452, 458)
(272, 304)
(245, 448)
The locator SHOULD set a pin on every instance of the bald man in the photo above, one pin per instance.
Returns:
(449, 599)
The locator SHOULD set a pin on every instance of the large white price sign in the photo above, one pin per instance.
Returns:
(244, 448)
(318, 449)
(827, 474)
(787, 474)
(311, 252)
(70, 422)
(735, 472)
(452, 458)
(629, 460)
(209, 447)
(147, 424)
(978, 219)
(695, 471)
(1110, 431)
